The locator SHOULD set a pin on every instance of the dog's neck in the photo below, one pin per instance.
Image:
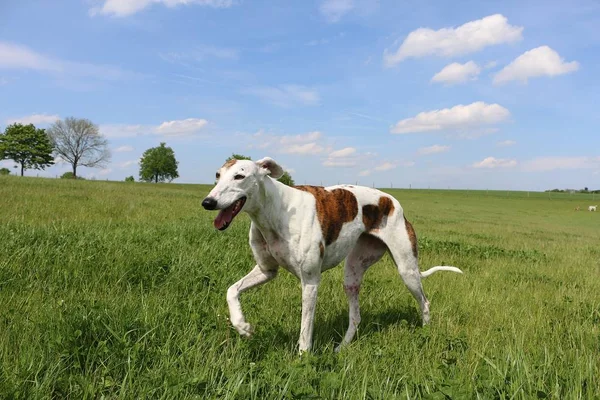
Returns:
(270, 211)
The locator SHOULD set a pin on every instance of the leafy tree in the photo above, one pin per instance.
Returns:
(158, 164)
(69, 175)
(130, 179)
(4, 171)
(238, 157)
(27, 146)
(286, 179)
(80, 143)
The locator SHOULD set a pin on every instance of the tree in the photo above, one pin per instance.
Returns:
(130, 179)
(80, 143)
(69, 175)
(286, 179)
(238, 157)
(158, 164)
(27, 146)
(4, 171)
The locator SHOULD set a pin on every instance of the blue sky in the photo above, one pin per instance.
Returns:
(467, 94)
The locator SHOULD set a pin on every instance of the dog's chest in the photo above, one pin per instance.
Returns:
(282, 253)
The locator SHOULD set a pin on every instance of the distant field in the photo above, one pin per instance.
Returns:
(117, 290)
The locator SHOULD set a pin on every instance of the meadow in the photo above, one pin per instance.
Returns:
(117, 290)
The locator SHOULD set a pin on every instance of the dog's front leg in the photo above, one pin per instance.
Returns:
(309, 303)
(256, 277)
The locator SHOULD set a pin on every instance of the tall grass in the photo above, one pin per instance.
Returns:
(117, 290)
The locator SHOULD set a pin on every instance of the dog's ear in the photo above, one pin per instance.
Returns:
(268, 166)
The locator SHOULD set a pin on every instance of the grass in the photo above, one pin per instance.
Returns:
(116, 290)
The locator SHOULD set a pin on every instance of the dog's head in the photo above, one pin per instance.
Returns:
(238, 182)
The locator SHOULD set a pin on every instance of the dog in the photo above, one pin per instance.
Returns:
(310, 229)
(592, 208)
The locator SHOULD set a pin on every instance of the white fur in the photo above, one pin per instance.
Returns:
(592, 208)
(285, 232)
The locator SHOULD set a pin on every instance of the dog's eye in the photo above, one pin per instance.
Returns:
(218, 175)
(239, 177)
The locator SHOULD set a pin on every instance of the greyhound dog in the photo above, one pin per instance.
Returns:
(310, 229)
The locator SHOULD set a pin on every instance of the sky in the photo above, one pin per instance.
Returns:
(402, 93)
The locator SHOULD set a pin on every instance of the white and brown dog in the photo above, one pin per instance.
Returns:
(309, 229)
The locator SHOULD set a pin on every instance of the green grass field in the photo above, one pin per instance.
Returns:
(116, 290)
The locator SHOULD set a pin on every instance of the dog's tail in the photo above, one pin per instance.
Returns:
(430, 271)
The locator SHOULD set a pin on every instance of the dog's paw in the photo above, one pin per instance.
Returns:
(244, 329)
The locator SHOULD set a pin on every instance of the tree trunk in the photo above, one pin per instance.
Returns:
(156, 178)
(22, 168)
(74, 171)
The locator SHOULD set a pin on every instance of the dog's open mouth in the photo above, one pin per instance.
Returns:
(227, 215)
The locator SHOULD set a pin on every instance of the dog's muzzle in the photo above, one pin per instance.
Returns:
(209, 203)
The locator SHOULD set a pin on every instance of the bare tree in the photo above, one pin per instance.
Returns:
(79, 142)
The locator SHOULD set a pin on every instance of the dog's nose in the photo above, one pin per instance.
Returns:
(209, 203)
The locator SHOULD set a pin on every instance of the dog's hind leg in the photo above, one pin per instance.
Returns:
(402, 243)
(368, 251)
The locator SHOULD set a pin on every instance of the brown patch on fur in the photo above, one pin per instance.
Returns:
(411, 236)
(229, 163)
(334, 208)
(321, 249)
(373, 214)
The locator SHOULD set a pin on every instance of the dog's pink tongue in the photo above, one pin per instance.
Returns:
(225, 216)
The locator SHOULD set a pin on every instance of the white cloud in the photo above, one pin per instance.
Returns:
(105, 171)
(14, 56)
(35, 119)
(122, 131)
(7, 164)
(181, 127)
(457, 73)
(491, 162)
(185, 127)
(305, 143)
(541, 61)
(339, 162)
(490, 64)
(459, 117)
(345, 152)
(386, 166)
(3, 81)
(286, 96)
(123, 149)
(448, 42)
(129, 163)
(124, 8)
(347, 157)
(506, 143)
(200, 53)
(334, 10)
(301, 138)
(307, 148)
(59, 161)
(554, 163)
(436, 148)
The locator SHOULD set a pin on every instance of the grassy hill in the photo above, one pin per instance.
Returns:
(118, 290)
